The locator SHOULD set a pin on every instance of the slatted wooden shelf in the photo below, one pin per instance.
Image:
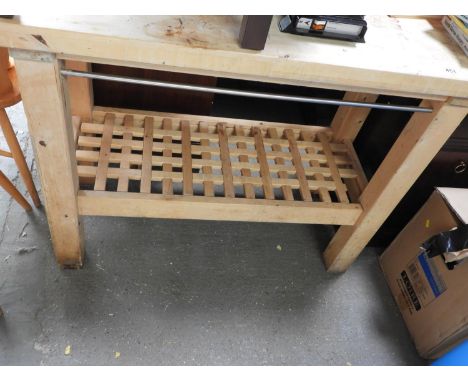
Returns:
(173, 166)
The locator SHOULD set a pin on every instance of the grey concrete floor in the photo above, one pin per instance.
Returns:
(173, 292)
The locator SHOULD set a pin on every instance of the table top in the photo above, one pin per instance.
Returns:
(402, 56)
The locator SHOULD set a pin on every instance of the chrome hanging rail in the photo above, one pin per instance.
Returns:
(242, 93)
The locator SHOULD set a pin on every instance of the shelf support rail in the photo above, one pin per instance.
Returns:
(242, 93)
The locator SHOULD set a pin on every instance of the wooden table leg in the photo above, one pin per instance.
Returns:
(80, 91)
(348, 120)
(18, 156)
(50, 127)
(422, 138)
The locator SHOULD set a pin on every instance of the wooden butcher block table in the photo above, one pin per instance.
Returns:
(115, 162)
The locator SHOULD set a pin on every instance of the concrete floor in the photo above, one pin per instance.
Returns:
(172, 292)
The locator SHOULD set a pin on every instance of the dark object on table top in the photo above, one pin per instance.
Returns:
(254, 31)
(347, 28)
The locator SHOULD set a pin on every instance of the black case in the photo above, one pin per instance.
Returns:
(289, 23)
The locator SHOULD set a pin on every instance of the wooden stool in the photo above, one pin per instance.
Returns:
(10, 95)
(11, 189)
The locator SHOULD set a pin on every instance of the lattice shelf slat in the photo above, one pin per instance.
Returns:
(167, 154)
(122, 185)
(253, 171)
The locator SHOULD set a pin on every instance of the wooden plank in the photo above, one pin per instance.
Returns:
(463, 102)
(143, 41)
(210, 133)
(225, 162)
(80, 91)
(361, 178)
(52, 137)
(208, 186)
(80, 95)
(76, 125)
(105, 147)
(249, 190)
(115, 173)
(348, 120)
(286, 190)
(335, 174)
(419, 142)
(263, 162)
(93, 156)
(167, 153)
(145, 185)
(315, 165)
(139, 115)
(354, 193)
(186, 159)
(122, 185)
(297, 162)
(117, 143)
(207, 208)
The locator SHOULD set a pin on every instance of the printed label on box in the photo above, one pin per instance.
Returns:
(420, 282)
(304, 23)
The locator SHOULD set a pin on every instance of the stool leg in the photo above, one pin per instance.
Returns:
(18, 156)
(11, 189)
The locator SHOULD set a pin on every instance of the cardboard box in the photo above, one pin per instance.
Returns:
(432, 299)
